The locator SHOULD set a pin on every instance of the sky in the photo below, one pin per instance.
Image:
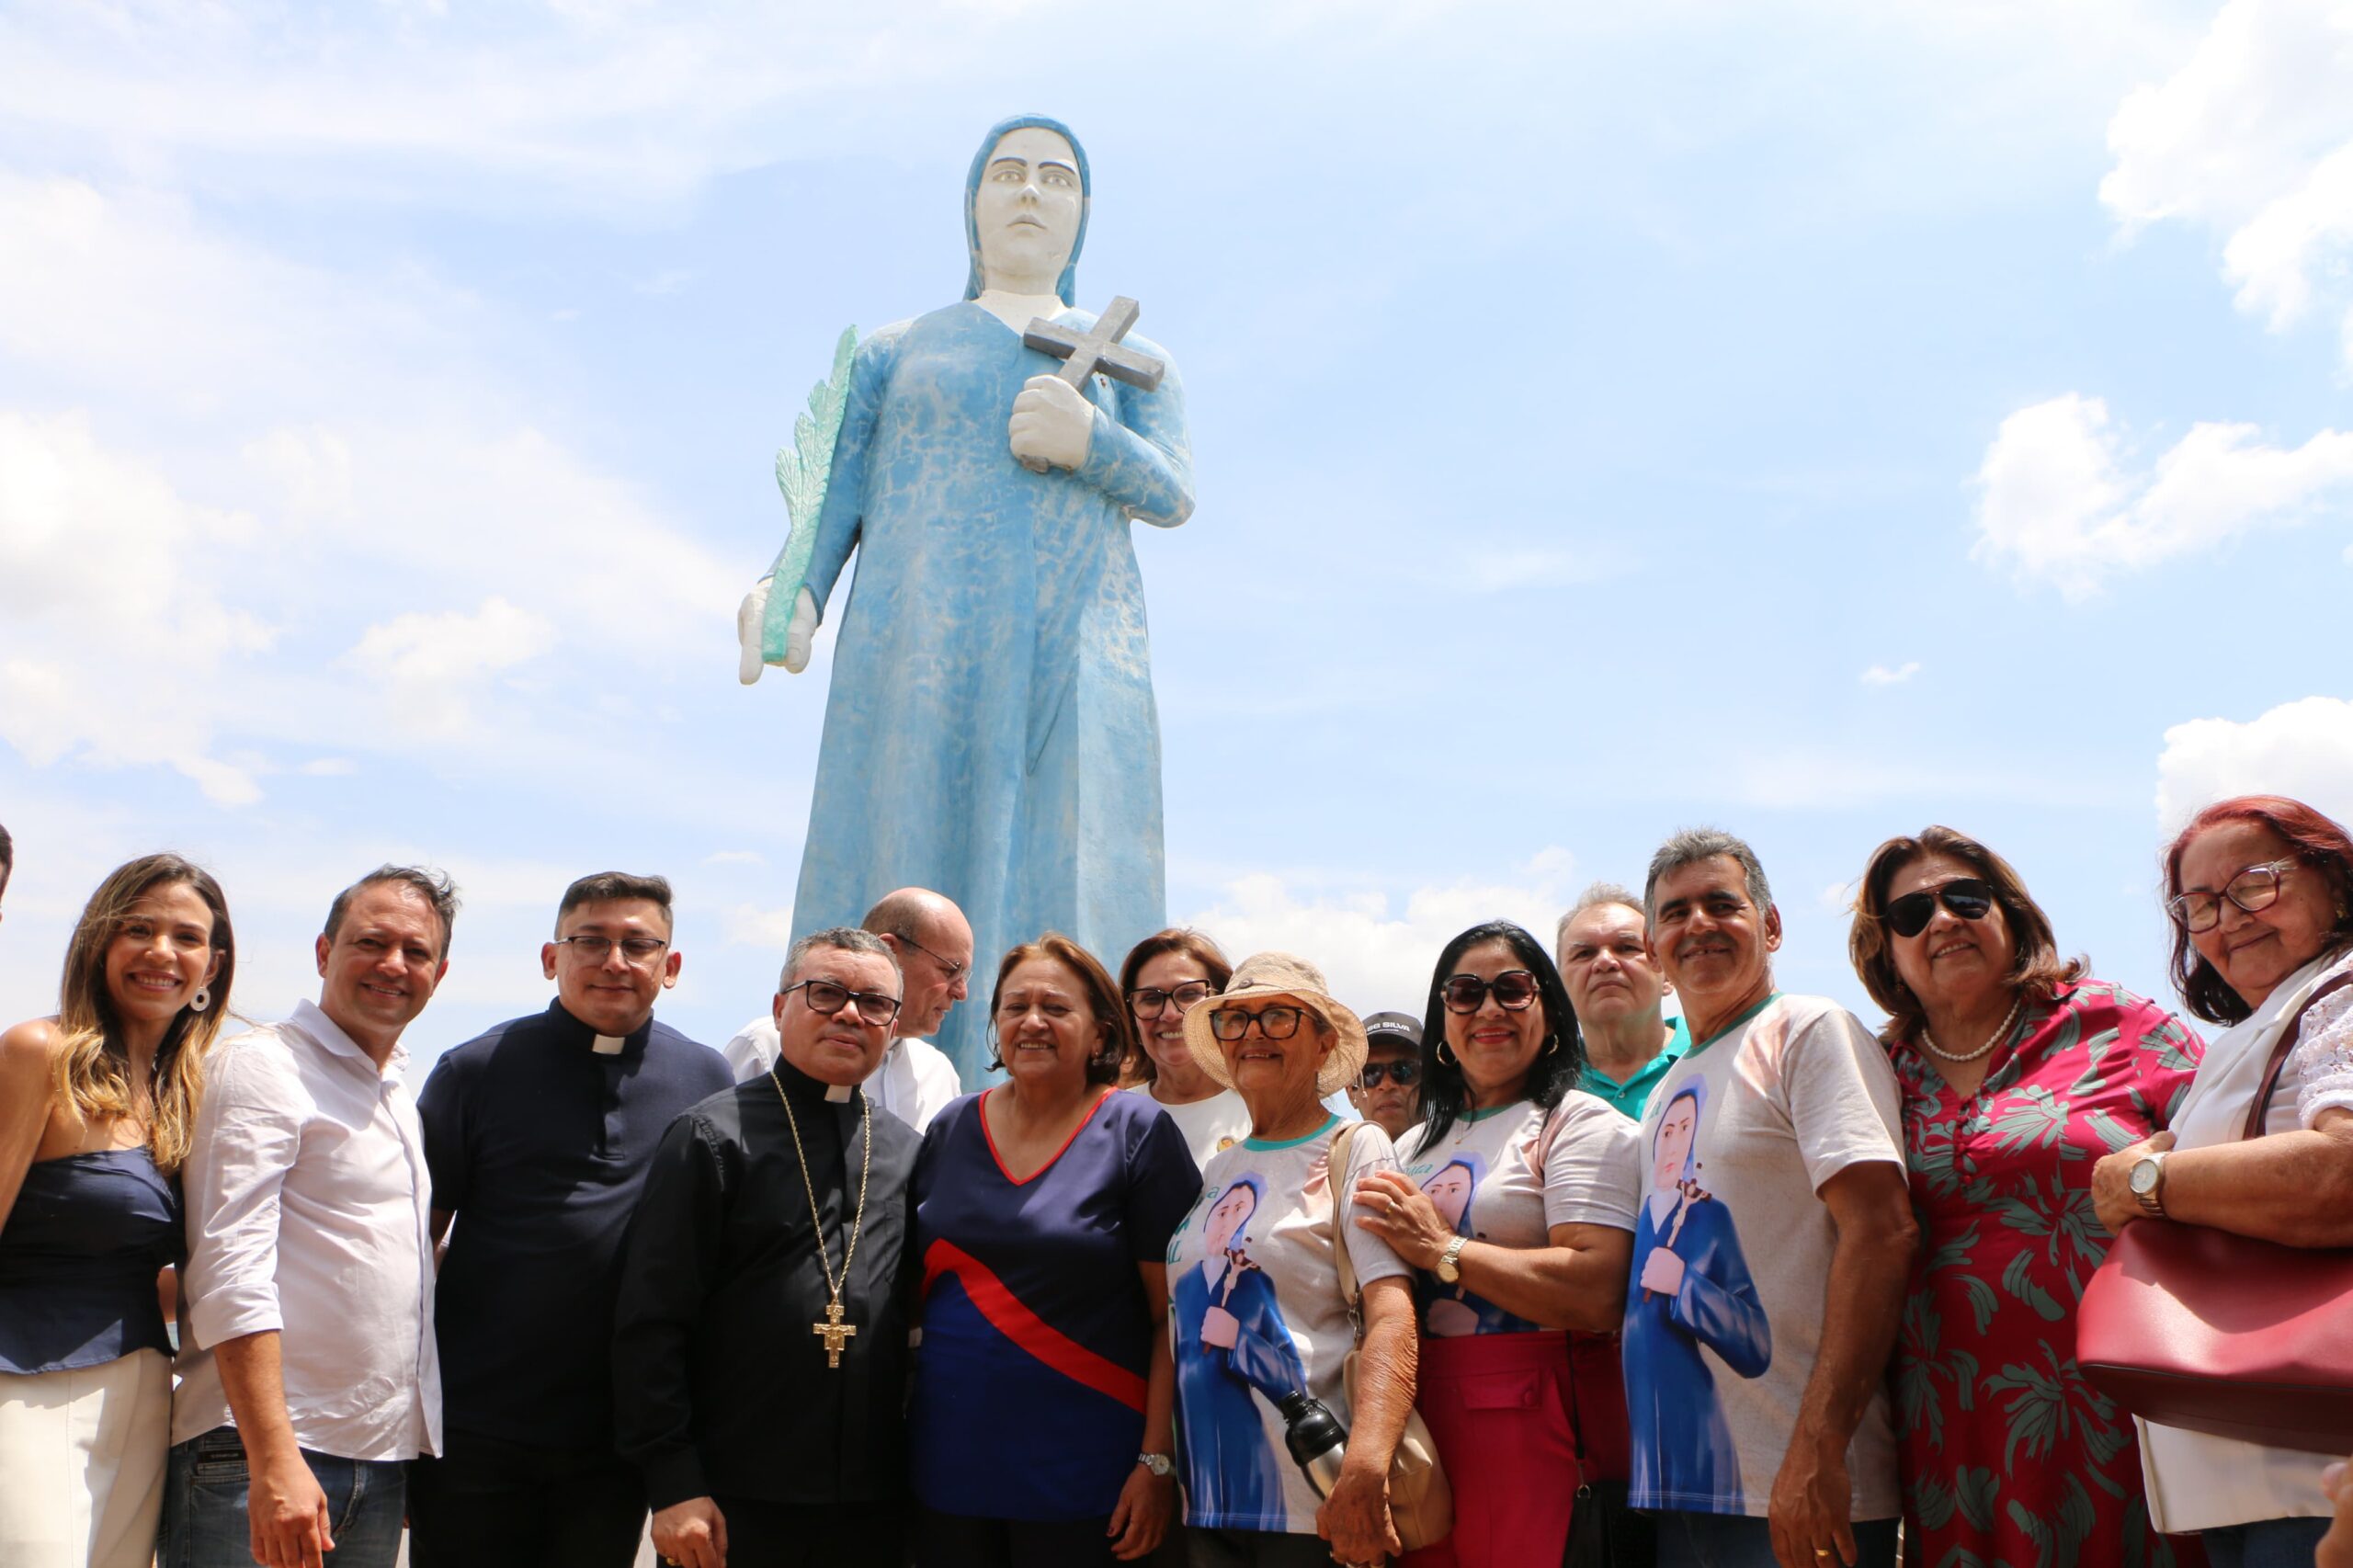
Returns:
(1812, 419)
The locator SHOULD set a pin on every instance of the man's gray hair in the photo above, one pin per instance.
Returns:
(1593, 897)
(1692, 844)
(841, 939)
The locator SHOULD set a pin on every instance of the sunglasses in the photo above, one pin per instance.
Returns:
(1405, 1073)
(1514, 990)
(1966, 897)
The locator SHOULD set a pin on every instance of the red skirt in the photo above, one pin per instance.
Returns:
(1499, 1406)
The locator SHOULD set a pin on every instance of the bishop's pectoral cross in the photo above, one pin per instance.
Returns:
(836, 1332)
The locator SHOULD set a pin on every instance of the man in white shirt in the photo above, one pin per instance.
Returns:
(310, 1375)
(933, 943)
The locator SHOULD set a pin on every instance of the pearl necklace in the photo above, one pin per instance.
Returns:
(1928, 1041)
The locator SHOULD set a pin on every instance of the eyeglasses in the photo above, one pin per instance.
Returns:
(1966, 897)
(825, 997)
(1514, 990)
(951, 969)
(1406, 1073)
(639, 951)
(2258, 887)
(1279, 1022)
(1151, 1001)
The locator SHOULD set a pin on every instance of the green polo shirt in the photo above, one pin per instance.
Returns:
(1629, 1096)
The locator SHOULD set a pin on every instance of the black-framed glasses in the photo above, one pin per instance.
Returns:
(1514, 990)
(1967, 897)
(2255, 888)
(1151, 1001)
(825, 997)
(1278, 1022)
(949, 967)
(639, 951)
(1406, 1073)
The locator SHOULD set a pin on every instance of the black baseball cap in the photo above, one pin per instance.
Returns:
(1394, 1028)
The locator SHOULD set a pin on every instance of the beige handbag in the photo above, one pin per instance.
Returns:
(1421, 1503)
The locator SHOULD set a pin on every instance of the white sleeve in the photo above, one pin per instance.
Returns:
(1592, 1163)
(1369, 1151)
(2322, 1064)
(754, 1050)
(248, 1133)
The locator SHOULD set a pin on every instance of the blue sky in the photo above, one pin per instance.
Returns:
(1815, 419)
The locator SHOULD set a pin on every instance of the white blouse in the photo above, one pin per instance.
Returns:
(2196, 1482)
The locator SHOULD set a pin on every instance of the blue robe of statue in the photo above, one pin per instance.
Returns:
(1683, 1452)
(1231, 1472)
(990, 732)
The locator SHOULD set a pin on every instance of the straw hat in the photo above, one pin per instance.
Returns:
(1264, 976)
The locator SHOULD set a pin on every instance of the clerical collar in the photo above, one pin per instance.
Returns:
(572, 1029)
(802, 1085)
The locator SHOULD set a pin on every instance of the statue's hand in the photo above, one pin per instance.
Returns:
(751, 621)
(1052, 423)
(751, 616)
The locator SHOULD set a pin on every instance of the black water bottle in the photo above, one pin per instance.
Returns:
(1316, 1439)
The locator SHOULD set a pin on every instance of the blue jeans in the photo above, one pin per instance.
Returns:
(1736, 1541)
(2266, 1543)
(205, 1525)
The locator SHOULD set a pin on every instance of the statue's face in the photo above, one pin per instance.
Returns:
(1026, 212)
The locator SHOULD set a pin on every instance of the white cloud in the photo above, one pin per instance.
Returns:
(751, 925)
(2060, 500)
(2301, 749)
(1493, 571)
(2252, 139)
(118, 635)
(1880, 674)
(1372, 957)
(428, 666)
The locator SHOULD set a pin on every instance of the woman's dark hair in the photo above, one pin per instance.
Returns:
(1103, 1066)
(2036, 968)
(1141, 1068)
(2317, 840)
(1559, 1061)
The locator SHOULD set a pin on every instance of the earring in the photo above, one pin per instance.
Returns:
(201, 1000)
(1551, 1046)
(1443, 1055)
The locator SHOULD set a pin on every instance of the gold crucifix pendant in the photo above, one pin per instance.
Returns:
(836, 1332)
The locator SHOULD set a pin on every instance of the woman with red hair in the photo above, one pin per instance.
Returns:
(2260, 890)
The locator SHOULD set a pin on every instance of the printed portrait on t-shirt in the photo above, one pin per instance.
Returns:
(1454, 1310)
(1231, 1342)
(1692, 1306)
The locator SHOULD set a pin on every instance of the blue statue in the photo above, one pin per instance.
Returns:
(990, 732)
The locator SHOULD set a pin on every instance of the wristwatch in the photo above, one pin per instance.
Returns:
(1160, 1465)
(2148, 1183)
(1450, 1262)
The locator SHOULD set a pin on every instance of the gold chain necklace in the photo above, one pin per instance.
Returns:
(833, 1330)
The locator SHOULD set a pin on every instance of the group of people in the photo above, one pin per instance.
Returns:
(1752, 1279)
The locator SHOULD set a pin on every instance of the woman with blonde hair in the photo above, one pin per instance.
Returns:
(96, 1107)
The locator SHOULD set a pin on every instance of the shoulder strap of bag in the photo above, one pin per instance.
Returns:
(2260, 1111)
(1338, 1173)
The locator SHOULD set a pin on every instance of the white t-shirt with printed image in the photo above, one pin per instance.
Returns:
(1510, 1174)
(1738, 1139)
(1256, 1312)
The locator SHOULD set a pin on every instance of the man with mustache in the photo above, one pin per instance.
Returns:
(1795, 1113)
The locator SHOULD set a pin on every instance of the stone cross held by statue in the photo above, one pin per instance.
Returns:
(1083, 353)
(836, 1332)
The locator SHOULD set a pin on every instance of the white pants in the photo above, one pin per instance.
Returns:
(82, 1456)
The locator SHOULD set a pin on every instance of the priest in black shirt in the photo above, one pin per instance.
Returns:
(759, 1358)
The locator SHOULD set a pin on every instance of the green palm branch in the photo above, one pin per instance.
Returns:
(803, 470)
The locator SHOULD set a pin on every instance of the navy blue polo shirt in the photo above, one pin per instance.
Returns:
(539, 1144)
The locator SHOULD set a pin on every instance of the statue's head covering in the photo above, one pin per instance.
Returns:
(1067, 285)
